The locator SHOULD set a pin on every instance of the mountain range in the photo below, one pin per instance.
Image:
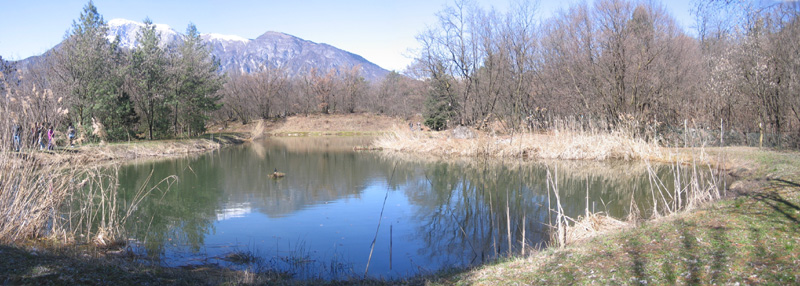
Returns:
(238, 54)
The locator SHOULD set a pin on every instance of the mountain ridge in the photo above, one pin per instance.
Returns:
(238, 54)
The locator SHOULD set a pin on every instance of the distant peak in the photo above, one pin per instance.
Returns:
(276, 34)
(119, 22)
(221, 37)
(123, 22)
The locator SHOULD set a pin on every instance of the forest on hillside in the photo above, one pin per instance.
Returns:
(611, 64)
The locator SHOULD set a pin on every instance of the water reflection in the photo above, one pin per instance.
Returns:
(436, 213)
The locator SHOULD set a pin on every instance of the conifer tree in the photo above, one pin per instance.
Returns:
(195, 82)
(440, 106)
(87, 70)
(148, 76)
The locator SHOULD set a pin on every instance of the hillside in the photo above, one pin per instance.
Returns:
(238, 54)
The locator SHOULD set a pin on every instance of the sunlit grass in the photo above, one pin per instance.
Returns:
(742, 241)
(749, 238)
(565, 145)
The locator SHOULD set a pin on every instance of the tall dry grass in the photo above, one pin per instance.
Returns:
(95, 212)
(693, 185)
(30, 196)
(566, 143)
(45, 199)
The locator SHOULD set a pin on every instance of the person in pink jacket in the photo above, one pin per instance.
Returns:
(50, 138)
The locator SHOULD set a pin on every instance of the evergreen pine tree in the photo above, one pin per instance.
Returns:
(195, 84)
(440, 105)
(88, 70)
(148, 73)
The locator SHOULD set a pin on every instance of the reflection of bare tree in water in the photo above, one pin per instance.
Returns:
(464, 213)
(471, 214)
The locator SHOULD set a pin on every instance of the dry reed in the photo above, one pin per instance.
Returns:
(94, 209)
(566, 145)
(692, 186)
(39, 199)
(30, 196)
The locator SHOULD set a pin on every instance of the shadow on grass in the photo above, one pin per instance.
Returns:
(774, 196)
(634, 248)
(21, 267)
(749, 239)
(690, 252)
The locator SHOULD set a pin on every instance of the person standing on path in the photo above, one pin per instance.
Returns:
(40, 135)
(50, 138)
(16, 132)
(71, 135)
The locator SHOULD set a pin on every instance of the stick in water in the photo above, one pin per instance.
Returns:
(380, 218)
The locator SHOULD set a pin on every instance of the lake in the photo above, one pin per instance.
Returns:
(321, 219)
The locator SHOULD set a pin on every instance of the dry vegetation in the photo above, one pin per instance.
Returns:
(354, 123)
(751, 239)
(566, 145)
(119, 152)
(314, 124)
(36, 185)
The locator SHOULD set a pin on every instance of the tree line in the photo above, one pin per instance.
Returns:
(155, 90)
(271, 93)
(615, 61)
(162, 90)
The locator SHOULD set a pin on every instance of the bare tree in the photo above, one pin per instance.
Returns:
(353, 88)
(751, 59)
(323, 87)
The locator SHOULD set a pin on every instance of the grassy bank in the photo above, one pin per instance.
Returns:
(75, 266)
(123, 151)
(751, 237)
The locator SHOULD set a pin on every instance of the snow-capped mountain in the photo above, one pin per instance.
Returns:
(236, 53)
(127, 30)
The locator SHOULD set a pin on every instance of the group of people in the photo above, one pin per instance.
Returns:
(411, 126)
(42, 135)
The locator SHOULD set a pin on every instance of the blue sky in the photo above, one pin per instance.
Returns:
(381, 31)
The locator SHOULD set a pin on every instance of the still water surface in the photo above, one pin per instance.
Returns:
(321, 219)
